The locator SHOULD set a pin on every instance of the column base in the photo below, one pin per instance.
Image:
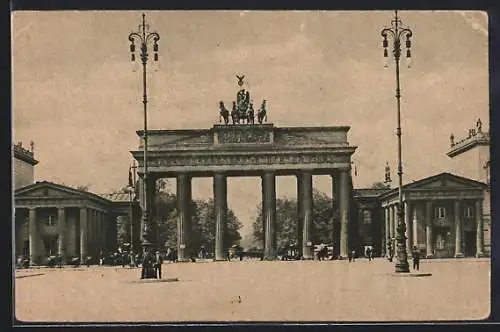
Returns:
(429, 256)
(185, 260)
(402, 267)
(459, 255)
(307, 258)
(220, 259)
(149, 273)
(481, 255)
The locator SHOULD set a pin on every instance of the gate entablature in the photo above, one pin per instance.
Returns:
(246, 149)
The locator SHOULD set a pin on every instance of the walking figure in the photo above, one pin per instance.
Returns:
(390, 251)
(352, 254)
(369, 253)
(158, 263)
(416, 258)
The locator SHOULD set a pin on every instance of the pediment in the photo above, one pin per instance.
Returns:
(47, 190)
(445, 180)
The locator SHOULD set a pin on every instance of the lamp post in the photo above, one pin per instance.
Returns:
(396, 33)
(132, 197)
(144, 37)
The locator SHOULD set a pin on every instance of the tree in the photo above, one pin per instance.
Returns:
(202, 223)
(122, 230)
(379, 185)
(287, 221)
(83, 187)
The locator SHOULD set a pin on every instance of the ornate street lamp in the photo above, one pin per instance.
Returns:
(397, 33)
(143, 37)
(132, 197)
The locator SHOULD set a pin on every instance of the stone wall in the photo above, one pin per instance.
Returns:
(24, 173)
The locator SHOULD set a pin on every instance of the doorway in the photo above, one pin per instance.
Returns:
(469, 243)
(50, 245)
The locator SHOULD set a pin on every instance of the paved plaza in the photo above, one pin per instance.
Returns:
(257, 291)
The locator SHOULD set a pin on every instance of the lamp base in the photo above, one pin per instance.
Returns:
(402, 267)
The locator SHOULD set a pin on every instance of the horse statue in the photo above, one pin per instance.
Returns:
(262, 113)
(224, 113)
(234, 114)
(250, 114)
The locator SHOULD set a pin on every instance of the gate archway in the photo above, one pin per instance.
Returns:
(261, 150)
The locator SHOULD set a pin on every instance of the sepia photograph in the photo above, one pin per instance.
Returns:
(176, 166)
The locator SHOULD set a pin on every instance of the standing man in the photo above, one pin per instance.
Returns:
(369, 253)
(416, 258)
(158, 263)
(389, 250)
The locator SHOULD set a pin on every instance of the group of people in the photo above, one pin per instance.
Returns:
(151, 265)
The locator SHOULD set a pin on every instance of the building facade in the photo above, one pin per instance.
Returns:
(470, 158)
(443, 217)
(56, 220)
(23, 165)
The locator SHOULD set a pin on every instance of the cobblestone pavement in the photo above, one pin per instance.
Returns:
(258, 291)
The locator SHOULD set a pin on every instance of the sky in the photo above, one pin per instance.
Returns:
(78, 96)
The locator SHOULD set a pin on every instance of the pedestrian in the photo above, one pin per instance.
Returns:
(416, 258)
(101, 258)
(353, 254)
(369, 253)
(147, 264)
(158, 263)
(389, 251)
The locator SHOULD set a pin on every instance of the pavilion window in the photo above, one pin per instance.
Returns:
(51, 220)
(468, 213)
(440, 212)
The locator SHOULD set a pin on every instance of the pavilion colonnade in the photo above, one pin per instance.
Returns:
(78, 231)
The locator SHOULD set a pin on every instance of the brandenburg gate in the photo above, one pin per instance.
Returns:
(252, 149)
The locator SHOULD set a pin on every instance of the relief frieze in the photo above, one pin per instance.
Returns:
(238, 135)
(270, 159)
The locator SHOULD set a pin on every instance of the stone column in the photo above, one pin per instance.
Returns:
(391, 224)
(83, 234)
(307, 213)
(387, 234)
(479, 229)
(344, 212)
(336, 213)
(33, 234)
(220, 205)
(99, 230)
(300, 204)
(88, 232)
(62, 230)
(184, 217)
(104, 224)
(458, 229)
(141, 191)
(415, 224)
(409, 229)
(428, 230)
(269, 216)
